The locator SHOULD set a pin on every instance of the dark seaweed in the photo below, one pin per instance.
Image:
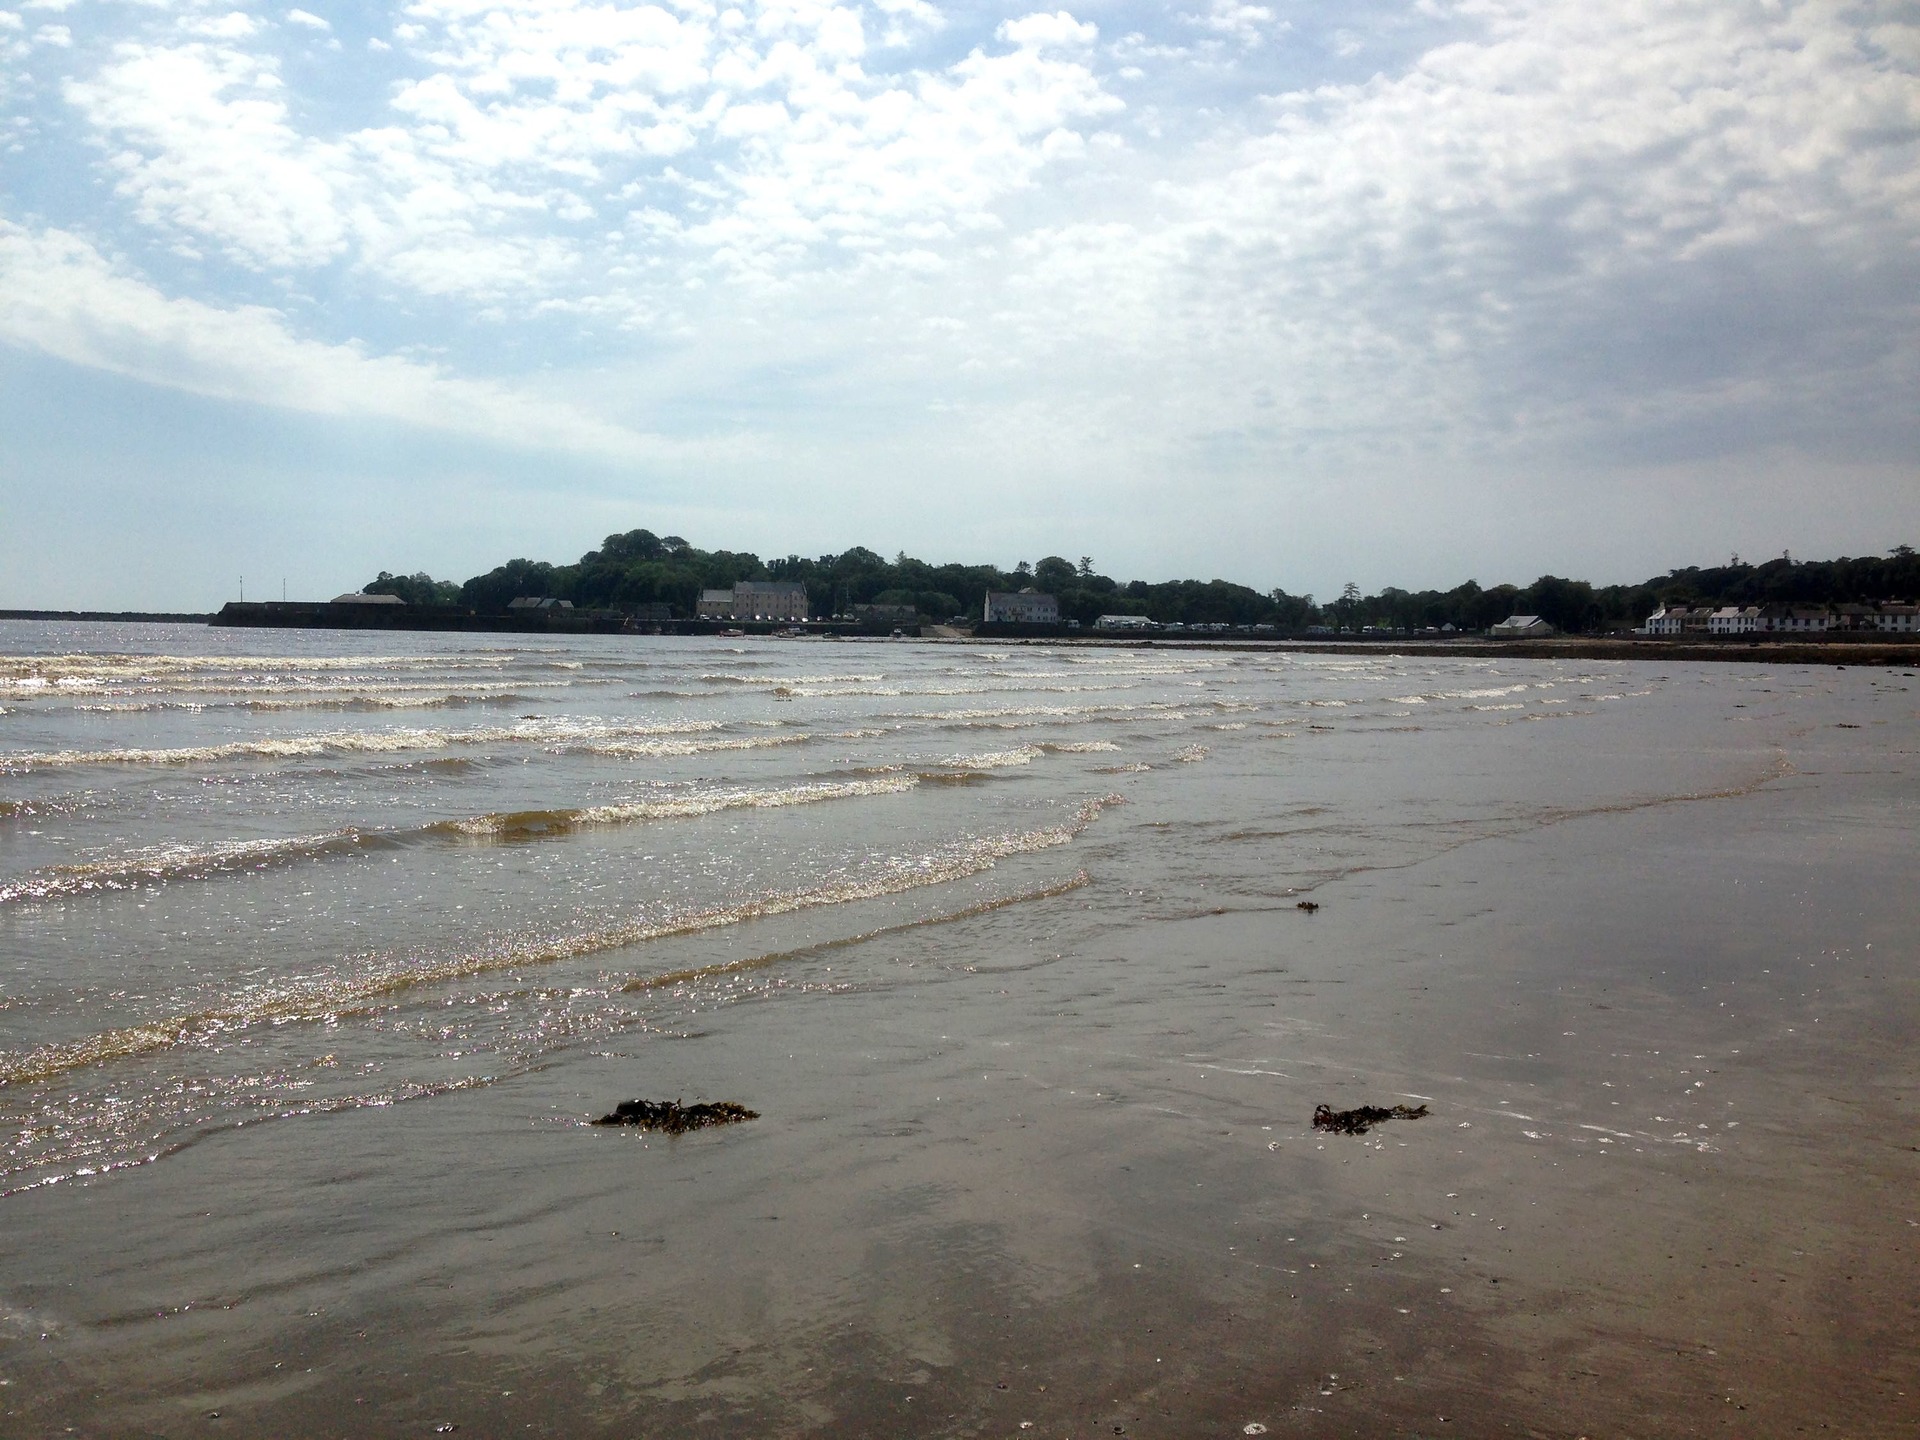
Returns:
(674, 1118)
(1361, 1119)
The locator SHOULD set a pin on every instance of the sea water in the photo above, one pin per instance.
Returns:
(319, 952)
(256, 874)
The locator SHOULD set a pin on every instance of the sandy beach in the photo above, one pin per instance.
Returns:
(1045, 1168)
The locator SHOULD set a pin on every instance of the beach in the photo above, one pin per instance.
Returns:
(319, 965)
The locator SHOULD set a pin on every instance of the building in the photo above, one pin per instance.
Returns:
(1901, 619)
(539, 602)
(1028, 607)
(875, 615)
(356, 598)
(1523, 627)
(714, 605)
(770, 600)
(1126, 622)
(1796, 619)
(1681, 620)
(1734, 620)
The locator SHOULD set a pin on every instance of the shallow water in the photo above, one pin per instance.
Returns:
(300, 876)
(246, 874)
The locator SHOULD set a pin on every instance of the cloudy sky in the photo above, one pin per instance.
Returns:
(1289, 293)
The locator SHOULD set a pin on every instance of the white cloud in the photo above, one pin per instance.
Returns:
(1042, 29)
(1543, 222)
(308, 19)
(207, 147)
(58, 295)
(1233, 20)
(1459, 246)
(532, 111)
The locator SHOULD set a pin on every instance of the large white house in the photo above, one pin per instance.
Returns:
(1676, 620)
(1734, 620)
(1903, 619)
(1028, 607)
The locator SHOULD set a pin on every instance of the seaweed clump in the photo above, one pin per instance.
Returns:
(1361, 1118)
(673, 1118)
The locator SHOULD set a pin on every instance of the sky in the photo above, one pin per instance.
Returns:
(1286, 293)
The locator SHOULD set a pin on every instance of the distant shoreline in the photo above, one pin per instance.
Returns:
(1799, 650)
(129, 617)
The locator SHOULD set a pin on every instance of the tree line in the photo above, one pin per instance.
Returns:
(641, 568)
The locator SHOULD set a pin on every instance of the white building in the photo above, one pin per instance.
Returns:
(1527, 627)
(1734, 620)
(770, 600)
(1902, 619)
(1679, 620)
(1796, 619)
(1126, 622)
(1029, 607)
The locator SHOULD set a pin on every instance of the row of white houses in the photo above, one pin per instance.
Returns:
(1887, 616)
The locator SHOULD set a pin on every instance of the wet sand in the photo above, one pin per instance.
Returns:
(1668, 1185)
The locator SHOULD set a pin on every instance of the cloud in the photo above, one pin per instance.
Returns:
(308, 19)
(770, 143)
(1585, 215)
(206, 147)
(60, 296)
(1233, 20)
(1633, 224)
(1041, 30)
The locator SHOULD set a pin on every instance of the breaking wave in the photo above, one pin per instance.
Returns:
(164, 864)
(602, 739)
(327, 997)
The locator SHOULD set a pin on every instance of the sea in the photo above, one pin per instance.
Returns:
(251, 875)
(942, 913)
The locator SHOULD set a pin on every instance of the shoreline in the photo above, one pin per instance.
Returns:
(1836, 650)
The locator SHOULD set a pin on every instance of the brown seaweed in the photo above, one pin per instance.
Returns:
(673, 1118)
(1362, 1118)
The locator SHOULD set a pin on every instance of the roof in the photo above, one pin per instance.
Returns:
(359, 598)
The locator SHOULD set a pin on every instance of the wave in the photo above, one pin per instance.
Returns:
(991, 759)
(373, 703)
(533, 824)
(350, 742)
(179, 862)
(1189, 754)
(693, 976)
(791, 680)
(169, 863)
(328, 997)
(662, 749)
